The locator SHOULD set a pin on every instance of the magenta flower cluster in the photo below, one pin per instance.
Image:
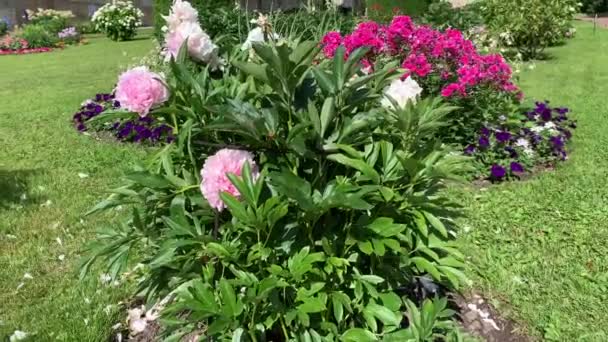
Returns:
(426, 52)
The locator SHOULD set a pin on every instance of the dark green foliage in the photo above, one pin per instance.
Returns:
(3, 28)
(38, 36)
(594, 6)
(229, 26)
(441, 15)
(86, 27)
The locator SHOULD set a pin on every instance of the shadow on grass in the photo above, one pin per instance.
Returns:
(15, 189)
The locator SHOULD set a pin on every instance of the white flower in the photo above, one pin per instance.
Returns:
(401, 92)
(549, 125)
(256, 36)
(537, 129)
(522, 142)
(181, 11)
(18, 335)
(137, 324)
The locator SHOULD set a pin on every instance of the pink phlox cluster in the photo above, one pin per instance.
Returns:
(426, 52)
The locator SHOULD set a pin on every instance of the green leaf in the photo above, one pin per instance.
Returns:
(391, 300)
(256, 70)
(365, 247)
(358, 335)
(149, 180)
(425, 266)
(357, 164)
(312, 305)
(385, 315)
(327, 114)
(294, 187)
(436, 223)
(372, 279)
(232, 306)
(338, 308)
(324, 80)
(385, 227)
(235, 206)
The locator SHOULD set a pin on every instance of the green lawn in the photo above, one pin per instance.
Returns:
(540, 247)
(41, 157)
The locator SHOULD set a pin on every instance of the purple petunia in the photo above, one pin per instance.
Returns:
(516, 167)
(469, 150)
(497, 172)
(557, 142)
(484, 131)
(484, 142)
(142, 130)
(503, 136)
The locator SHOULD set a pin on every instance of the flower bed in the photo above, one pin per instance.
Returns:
(17, 46)
(301, 198)
(141, 130)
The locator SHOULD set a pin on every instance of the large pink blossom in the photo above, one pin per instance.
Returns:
(139, 90)
(215, 174)
(330, 43)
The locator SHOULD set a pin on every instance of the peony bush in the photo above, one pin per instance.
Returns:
(118, 19)
(299, 200)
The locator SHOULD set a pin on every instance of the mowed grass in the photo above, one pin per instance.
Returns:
(42, 195)
(539, 248)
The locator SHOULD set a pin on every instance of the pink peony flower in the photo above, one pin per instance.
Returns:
(139, 90)
(200, 46)
(215, 174)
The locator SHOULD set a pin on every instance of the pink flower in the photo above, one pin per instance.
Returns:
(181, 11)
(330, 43)
(139, 90)
(200, 46)
(418, 64)
(452, 88)
(215, 174)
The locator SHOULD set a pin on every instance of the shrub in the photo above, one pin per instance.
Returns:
(38, 36)
(52, 20)
(511, 147)
(444, 64)
(442, 15)
(87, 27)
(3, 28)
(118, 20)
(546, 22)
(321, 214)
(11, 43)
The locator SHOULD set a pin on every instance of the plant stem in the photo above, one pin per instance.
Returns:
(216, 225)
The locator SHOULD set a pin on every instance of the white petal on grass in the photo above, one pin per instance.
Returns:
(83, 175)
(11, 236)
(28, 276)
(59, 241)
(61, 257)
(87, 300)
(20, 286)
(18, 335)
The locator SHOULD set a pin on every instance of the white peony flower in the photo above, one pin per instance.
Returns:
(181, 11)
(137, 324)
(401, 92)
(256, 36)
